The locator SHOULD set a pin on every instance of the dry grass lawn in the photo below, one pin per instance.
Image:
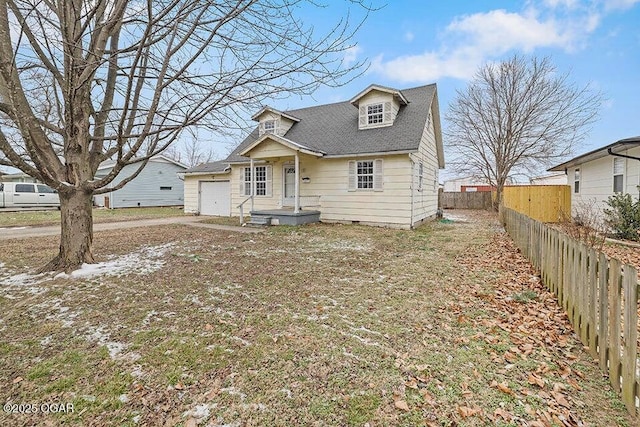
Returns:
(23, 218)
(322, 325)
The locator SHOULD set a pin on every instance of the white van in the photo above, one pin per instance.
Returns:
(27, 195)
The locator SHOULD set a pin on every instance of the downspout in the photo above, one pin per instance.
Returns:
(296, 208)
(412, 188)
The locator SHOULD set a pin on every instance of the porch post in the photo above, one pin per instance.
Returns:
(252, 183)
(296, 208)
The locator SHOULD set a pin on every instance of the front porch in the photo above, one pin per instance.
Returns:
(273, 181)
(284, 217)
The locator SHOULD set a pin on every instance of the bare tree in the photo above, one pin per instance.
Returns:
(191, 150)
(83, 81)
(516, 117)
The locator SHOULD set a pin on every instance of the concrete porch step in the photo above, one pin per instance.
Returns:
(259, 221)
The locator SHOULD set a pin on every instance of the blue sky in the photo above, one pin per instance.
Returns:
(415, 42)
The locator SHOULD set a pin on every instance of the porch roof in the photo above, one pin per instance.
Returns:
(292, 145)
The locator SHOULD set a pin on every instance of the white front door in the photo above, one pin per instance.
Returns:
(289, 190)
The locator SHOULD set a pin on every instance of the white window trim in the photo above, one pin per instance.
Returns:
(263, 129)
(378, 175)
(614, 174)
(245, 186)
(579, 180)
(420, 176)
(386, 113)
(380, 113)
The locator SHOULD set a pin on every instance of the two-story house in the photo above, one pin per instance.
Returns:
(371, 160)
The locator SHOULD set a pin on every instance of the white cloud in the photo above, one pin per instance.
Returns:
(569, 4)
(503, 30)
(619, 4)
(351, 55)
(473, 39)
(409, 36)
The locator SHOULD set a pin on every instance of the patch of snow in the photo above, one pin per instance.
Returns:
(136, 419)
(231, 391)
(363, 329)
(123, 398)
(46, 340)
(241, 340)
(455, 217)
(287, 392)
(148, 317)
(235, 424)
(137, 371)
(348, 354)
(114, 348)
(144, 261)
(200, 412)
(24, 279)
(315, 317)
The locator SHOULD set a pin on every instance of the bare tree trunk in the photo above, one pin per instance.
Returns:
(76, 238)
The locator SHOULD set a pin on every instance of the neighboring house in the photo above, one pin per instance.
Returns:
(598, 174)
(157, 185)
(17, 177)
(371, 160)
(456, 185)
(552, 179)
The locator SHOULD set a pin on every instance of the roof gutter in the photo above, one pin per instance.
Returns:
(610, 151)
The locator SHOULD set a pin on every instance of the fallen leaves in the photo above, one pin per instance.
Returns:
(535, 380)
(402, 405)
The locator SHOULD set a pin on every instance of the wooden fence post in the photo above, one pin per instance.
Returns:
(599, 295)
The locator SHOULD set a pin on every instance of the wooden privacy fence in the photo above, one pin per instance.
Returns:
(466, 200)
(599, 295)
(546, 203)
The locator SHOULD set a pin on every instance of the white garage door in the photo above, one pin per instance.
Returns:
(215, 198)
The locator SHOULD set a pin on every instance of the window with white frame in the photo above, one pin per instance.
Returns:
(270, 126)
(576, 181)
(420, 176)
(262, 181)
(365, 175)
(618, 175)
(375, 113)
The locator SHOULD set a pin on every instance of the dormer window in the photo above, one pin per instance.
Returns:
(269, 126)
(375, 114)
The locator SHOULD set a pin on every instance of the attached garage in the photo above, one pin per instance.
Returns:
(207, 189)
(215, 198)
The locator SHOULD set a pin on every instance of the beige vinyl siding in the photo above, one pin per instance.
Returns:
(376, 97)
(273, 201)
(192, 190)
(269, 149)
(191, 186)
(425, 200)
(283, 123)
(329, 179)
(596, 180)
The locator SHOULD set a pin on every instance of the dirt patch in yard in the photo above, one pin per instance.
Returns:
(317, 325)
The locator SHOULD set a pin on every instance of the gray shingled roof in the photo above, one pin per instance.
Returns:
(333, 128)
(213, 167)
(597, 153)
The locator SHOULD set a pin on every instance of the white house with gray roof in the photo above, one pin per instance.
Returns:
(372, 160)
(599, 174)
